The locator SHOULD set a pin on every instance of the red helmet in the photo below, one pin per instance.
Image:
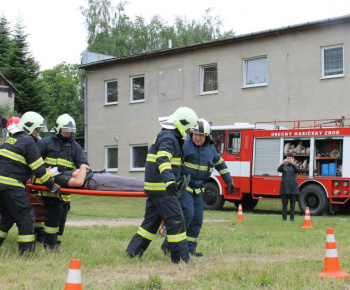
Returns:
(12, 121)
(11, 125)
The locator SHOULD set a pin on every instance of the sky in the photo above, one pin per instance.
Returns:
(56, 29)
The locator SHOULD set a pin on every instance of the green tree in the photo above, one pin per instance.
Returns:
(5, 42)
(110, 30)
(63, 93)
(23, 72)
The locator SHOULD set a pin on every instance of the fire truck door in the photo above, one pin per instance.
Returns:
(233, 157)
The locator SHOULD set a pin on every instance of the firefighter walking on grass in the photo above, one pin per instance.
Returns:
(62, 151)
(19, 159)
(200, 157)
(162, 170)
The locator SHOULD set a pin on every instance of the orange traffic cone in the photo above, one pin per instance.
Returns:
(307, 220)
(240, 213)
(74, 276)
(331, 261)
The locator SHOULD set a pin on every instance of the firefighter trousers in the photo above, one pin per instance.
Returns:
(192, 207)
(53, 216)
(168, 209)
(15, 207)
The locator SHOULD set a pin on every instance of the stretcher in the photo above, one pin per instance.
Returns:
(33, 192)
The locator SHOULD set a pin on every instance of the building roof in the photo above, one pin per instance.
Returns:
(1, 75)
(242, 37)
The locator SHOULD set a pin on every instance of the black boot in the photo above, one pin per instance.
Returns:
(196, 254)
(24, 248)
(53, 247)
(1, 241)
(165, 250)
(39, 235)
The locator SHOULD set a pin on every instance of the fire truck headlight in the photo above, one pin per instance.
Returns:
(336, 183)
(345, 192)
(346, 184)
(336, 192)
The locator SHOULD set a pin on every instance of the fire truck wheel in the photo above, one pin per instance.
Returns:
(212, 199)
(247, 202)
(314, 197)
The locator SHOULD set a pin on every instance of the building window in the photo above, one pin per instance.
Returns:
(209, 79)
(138, 156)
(111, 161)
(332, 61)
(137, 89)
(255, 72)
(111, 88)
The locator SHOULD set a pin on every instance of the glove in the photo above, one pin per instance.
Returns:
(231, 187)
(171, 189)
(55, 188)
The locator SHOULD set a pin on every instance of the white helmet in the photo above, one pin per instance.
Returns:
(202, 127)
(184, 118)
(66, 123)
(30, 121)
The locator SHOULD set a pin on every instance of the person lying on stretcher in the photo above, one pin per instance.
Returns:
(85, 178)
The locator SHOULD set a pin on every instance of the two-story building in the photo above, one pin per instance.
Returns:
(288, 73)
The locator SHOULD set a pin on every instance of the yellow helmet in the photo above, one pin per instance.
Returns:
(66, 123)
(32, 120)
(184, 118)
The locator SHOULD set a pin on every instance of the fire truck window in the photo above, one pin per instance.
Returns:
(234, 143)
(218, 138)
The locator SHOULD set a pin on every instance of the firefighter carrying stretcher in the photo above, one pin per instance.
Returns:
(200, 156)
(162, 169)
(19, 159)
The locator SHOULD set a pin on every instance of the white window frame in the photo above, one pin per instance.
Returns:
(202, 70)
(106, 92)
(245, 62)
(106, 159)
(132, 90)
(323, 76)
(132, 146)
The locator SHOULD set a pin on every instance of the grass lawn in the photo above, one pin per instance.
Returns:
(260, 252)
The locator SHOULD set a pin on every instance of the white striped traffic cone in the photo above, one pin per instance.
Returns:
(331, 261)
(240, 213)
(307, 220)
(74, 276)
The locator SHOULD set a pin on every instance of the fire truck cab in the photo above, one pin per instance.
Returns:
(253, 153)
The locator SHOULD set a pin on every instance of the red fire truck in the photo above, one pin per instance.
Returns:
(253, 153)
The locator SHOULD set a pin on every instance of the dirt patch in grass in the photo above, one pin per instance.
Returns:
(116, 222)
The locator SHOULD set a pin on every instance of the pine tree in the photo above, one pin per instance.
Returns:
(23, 72)
(5, 42)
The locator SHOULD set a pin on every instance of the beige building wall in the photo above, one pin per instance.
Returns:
(295, 89)
(6, 101)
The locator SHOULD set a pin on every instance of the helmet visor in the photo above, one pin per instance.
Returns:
(68, 130)
(42, 128)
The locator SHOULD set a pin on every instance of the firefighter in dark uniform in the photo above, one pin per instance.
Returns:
(19, 159)
(200, 157)
(62, 151)
(162, 170)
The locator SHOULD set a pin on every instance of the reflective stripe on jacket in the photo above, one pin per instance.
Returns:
(19, 159)
(199, 162)
(163, 161)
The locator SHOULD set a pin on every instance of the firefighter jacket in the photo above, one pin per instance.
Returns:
(199, 162)
(19, 159)
(163, 161)
(64, 154)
